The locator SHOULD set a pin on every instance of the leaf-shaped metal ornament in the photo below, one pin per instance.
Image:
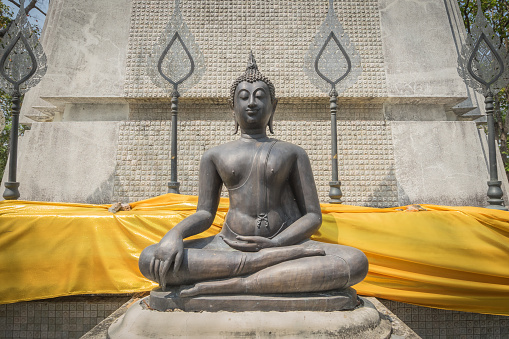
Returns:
(22, 62)
(176, 62)
(483, 62)
(332, 62)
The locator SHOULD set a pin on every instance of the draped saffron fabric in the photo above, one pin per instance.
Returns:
(453, 258)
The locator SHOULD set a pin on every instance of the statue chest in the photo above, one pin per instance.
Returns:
(255, 172)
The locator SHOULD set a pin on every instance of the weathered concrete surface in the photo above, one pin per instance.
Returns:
(419, 51)
(418, 112)
(399, 329)
(68, 162)
(440, 163)
(95, 112)
(86, 45)
(141, 322)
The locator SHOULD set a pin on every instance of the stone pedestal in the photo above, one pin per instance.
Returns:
(323, 302)
(142, 322)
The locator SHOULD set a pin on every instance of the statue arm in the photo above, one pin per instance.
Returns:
(209, 193)
(306, 196)
(170, 249)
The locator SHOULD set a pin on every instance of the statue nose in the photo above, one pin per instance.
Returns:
(251, 102)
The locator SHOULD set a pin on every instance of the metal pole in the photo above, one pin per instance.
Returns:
(335, 193)
(11, 186)
(495, 193)
(173, 185)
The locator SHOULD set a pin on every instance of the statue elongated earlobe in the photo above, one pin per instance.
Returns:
(271, 120)
(271, 124)
(236, 128)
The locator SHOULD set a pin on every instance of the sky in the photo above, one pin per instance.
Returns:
(35, 18)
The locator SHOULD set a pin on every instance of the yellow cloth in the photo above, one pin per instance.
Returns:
(446, 257)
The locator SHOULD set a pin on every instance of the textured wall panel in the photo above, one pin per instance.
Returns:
(365, 150)
(278, 31)
(143, 161)
(366, 163)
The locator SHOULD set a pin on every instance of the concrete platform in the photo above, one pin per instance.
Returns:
(141, 322)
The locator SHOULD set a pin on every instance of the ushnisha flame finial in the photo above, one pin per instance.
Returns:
(251, 63)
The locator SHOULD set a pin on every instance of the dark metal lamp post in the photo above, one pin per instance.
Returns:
(332, 64)
(22, 66)
(176, 64)
(484, 65)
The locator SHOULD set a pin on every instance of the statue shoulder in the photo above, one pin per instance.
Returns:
(292, 148)
(216, 152)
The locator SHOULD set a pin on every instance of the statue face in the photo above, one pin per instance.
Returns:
(252, 105)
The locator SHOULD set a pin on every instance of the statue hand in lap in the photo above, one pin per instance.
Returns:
(264, 244)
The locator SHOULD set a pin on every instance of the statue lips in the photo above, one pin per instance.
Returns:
(253, 116)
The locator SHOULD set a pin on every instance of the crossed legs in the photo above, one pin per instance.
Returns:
(307, 267)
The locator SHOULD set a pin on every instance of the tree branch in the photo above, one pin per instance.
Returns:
(5, 29)
(31, 5)
(466, 16)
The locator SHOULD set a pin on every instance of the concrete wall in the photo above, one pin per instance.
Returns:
(68, 162)
(400, 137)
(381, 164)
(98, 52)
(419, 53)
(86, 47)
(441, 163)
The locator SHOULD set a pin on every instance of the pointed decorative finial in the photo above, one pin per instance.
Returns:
(331, 6)
(22, 7)
(176, 63)
(22, 58)
(483, 63)
(251, 63)
(176, 8)
(479, 7)
(332, 61)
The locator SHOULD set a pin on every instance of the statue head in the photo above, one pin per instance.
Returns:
(253, 76)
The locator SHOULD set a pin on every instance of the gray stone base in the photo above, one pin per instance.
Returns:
(141, 322)
(324, 301)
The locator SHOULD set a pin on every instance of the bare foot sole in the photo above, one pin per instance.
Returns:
(310, 252)
(233, 285)
(293, 252)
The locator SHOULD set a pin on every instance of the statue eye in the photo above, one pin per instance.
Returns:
(244, 95)
(260, 94)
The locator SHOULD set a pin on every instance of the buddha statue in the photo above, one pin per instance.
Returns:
(264, 245)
